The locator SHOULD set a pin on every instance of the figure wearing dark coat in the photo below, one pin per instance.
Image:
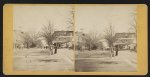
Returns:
(55, 47)
(116, 48)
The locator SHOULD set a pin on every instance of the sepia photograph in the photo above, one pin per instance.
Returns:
(106, 38)
(75, 39)
(43, 38)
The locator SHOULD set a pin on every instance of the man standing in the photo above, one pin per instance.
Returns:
(51, 49)
(116, 47)
(55, 47)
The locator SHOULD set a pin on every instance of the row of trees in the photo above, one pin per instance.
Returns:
(89, 40)
(92, 40)
(30, 40)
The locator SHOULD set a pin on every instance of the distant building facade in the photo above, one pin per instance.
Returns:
(126, 40)
(63, 38)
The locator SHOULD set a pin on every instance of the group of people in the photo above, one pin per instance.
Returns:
(53, 46)
(114, 51)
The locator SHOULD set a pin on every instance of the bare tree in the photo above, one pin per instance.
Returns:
(91, 40)
(133, 23)
(70, 20)
(110, 35)
(48, 34)
(35, 40)
(27, 39)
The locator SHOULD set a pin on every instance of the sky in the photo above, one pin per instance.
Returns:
(33, 18)
(98, 18)
(87, 18)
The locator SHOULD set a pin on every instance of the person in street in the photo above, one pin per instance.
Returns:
(51, 49)
(116, 48)
(112, 51)
(55, 47)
